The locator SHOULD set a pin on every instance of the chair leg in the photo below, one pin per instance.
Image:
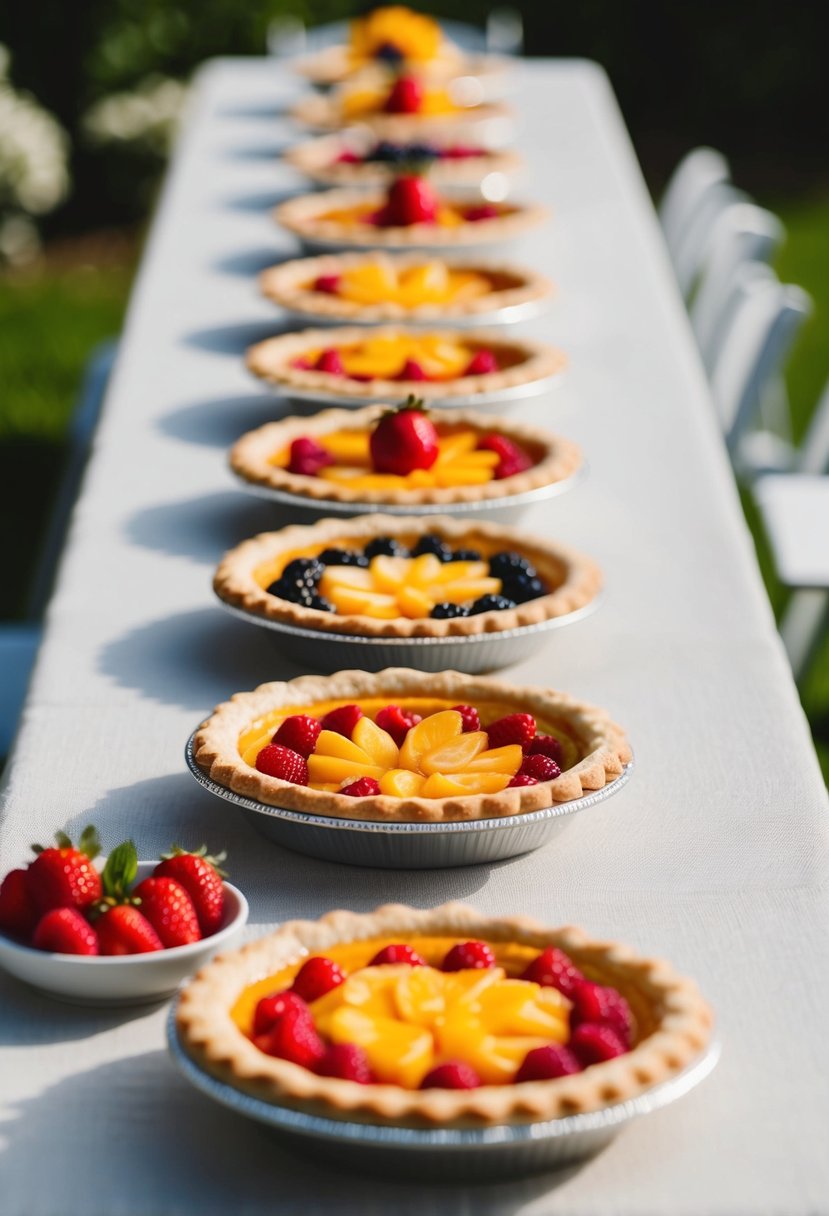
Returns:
(802, 628)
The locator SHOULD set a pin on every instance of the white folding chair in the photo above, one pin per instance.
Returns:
(697, 174)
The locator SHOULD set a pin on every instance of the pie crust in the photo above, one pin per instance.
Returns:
(317, 159)
(251, 457)
(602, 744)
(673, 1021)
(575, 580)
(303, 217)
(325, 112)
(287, 285)
(335, 65)
(273, 360)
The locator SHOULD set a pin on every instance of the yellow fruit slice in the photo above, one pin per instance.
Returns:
(370, 283)
(455, 445)
(347, 447)
(498, 760)
(466, 987)
(331, 769)
(331, 743)
(484, 459)
(377, 743)
(479, 783)
(423, 570)
(455, 756)
(389, 572)
(352, 577)
(401, 783)
(420, 996)
(457, 475)
(462, 1038)
(348, 600)
(356, 479)
(511, 1008)
(453, 572)
(398, 1053)
(463, 590)
(414, 603)
(424, 284)
(429, 734)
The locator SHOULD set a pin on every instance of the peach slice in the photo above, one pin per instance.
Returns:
(428, 735)
(423, 570)
(349, 601)
(398, 1053)
(460, 785)
(377, 743)
(498, 760)
(348, 447)
(351, 577)
(512, 1008)
(414, 603)
(455, 445)
(454, 757)
(323, 769)
(457, 475)
(332, 743)
(464, 589)
(401, 783)
(389, 573)
(453, 572)
(420, 996)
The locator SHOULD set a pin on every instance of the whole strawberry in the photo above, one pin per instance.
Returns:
(169, 909)
(201, 878)
(64, 877)
(405, 96)
(410, 200)
(65, 931)
(404, 440)
(18, 914)
(123, 929)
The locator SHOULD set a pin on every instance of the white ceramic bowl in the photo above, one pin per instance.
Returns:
(130, 979)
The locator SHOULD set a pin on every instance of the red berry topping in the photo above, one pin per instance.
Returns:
(397, 953)
(271, 1008)
(343, 719)
(454, 1075)
(592, 1043)
(302, 364)
(328, 283)
(514, 728)
(540, 767)
(485, 211)
(471, 718)
(18, 914)
(65, 931)
(202, 880)
(546, 745)
(469, 956)
(520, 780)
(348, 158)
(405, 96)
(64, 877)
(513, 458)
(481, 364)
(331, 361)
(277, 761)
(552, 968)
(547, 1063)
(293, 1037)
(462, 152)
(410, 200)
(299, 733)
(125, 930)
(411, 370)
(307, 457)
(404, 440)
(347, 1061)
(170, 911)
(317, 976)
(397, 722)
(595, 1003)
(363, 787)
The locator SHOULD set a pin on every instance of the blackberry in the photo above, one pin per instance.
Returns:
(342, 557)
(307, 570)
(385, 152)
(523, 587)
(321, 605)
(385, 546)
(507, 564)
(466, 555)
(422, 152)
(389, 52)
(490, 603)
(433, 544)
(443, 612)
(292, 591)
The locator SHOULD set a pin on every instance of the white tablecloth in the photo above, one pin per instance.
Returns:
(714, 855)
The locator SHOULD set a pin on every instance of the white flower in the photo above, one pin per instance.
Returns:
(147, 116)
(34, 148)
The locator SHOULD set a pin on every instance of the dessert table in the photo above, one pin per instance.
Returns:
(713, 855)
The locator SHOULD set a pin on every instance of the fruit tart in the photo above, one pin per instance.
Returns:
(407, 746)
(353, 363)
(382, 576)
(410, 214)
(357, 158)
(441, 1018)
(403, 457)
(367, 288)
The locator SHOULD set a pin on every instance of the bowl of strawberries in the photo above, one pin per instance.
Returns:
(119, 931)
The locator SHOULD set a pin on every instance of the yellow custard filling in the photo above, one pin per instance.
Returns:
(411, 286)
(357, 103)
(415, 36)
(384, 358)
(363, 215)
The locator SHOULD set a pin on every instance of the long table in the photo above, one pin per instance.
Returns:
(715, 853)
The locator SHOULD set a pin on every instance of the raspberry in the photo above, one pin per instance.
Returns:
(397, 953)
(540, 767)
(277, 761)
(307, 457)
(293, 1037)
(299, 733)
(482, 363)
(484, 212)
(454, 1075)
(471, 719)
(591, 1043)
(331, 361)
(606, 1006)
(514, 728)
(343, 719)
(317, 976)
(347, 1061)
(397, 722)
(363, 787)
(329, 283)
(411, 370)
(553, 968)
(546, 1063)
(520, 780)
(511, 467)
(469, 956)
(513, 458)
(546, 745)
(271, 1008)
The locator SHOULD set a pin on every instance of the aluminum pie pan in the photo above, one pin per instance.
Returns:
(496, 399)
(472, 654)
(460, 1154)
(513, 314)
(406, 846)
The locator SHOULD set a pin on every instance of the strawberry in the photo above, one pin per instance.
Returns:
(307, 457)
(470, 715)
(170, 910)
(347, 1061)
(411, 370)
(547, 1063)
(397, 953)
(343, 719)
(405, 96)
(540, 767)
(468, 956)
(514, 728)
(293, 1037)
(513, 459)
(64, 877)
(452, 1075)
(481, 364)
(331, 361)
(361, 787)
(270, 1009)
(201, 878)
(65, 931)
(552, 968)
(396, 722)
(122, 929)
(300, 733)
(410, 200)
(403, 440)
(317, 976)
(281, 762)
(18, 914)
(327, 283)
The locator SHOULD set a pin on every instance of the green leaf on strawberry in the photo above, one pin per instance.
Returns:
(120, 871)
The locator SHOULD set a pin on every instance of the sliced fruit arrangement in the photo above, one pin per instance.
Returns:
(389, 577)
(380, 287)
(332, 456)
(406, 745)
(353, 158)
(410, 213)
(441, 1016)
(435, 364)
(62, 903)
